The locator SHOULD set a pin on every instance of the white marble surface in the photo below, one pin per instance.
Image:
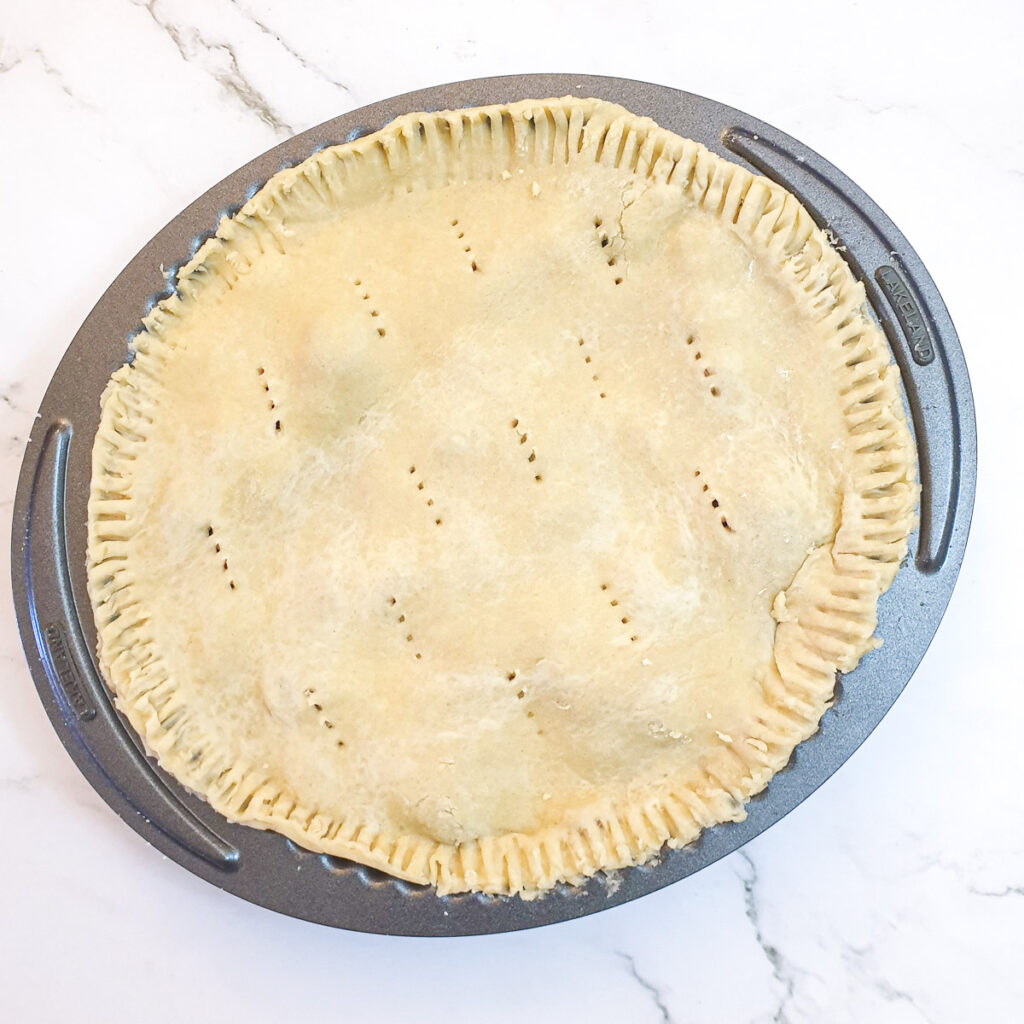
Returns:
(896, 893)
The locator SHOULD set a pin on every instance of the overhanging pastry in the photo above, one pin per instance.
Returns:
(497, 498)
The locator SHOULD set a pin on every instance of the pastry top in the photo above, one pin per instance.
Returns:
(497, 497)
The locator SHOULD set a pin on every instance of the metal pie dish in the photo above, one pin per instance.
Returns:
(50, 517)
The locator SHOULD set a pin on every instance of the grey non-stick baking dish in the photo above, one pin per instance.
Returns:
(49, 536)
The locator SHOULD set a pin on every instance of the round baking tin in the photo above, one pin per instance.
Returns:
(49, 534)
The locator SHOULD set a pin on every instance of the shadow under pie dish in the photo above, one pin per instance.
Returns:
(497, 498)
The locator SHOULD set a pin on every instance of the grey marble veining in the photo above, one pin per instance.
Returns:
(303, 62)
(221, 63)
(782, 970)
(648, 986)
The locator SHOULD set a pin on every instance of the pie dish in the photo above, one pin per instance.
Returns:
(497, 498)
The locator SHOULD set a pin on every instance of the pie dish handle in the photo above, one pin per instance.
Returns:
(79, 695)
(908, 307)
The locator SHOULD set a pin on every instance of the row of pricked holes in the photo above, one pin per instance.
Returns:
(466, 248)
(714, 501)
(614, 603)
(374, 313)
(532, 457)
(605, 241)
(708, 372)
(587, 359)
(392, 602)
(262, 373)
(430, 501)
(217, 550)
(309, 693)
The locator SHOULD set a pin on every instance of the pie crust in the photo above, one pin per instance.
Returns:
(497, 498)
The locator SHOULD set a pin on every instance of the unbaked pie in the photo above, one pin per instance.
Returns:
(497, 498)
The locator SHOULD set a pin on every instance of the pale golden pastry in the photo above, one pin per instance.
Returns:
(498, 497)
